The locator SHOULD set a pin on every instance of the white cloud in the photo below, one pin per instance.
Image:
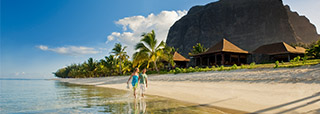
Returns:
(43, 47)
(134, 26)
(70, 50)
(20, 73)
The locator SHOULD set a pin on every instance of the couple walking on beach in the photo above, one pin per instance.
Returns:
(136, 78)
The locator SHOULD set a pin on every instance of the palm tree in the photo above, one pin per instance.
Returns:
(119, 52)
(89, 67)
(198, 48)
(149, 51)
(168, 55)
(91, 64)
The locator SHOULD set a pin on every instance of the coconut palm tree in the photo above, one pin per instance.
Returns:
(89, 66)
(119, 52)
(148, 50)
(168, 55)
(198, 48)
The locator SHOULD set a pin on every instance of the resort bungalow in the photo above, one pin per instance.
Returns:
(180, 61)
(222, 53)
(276, 52)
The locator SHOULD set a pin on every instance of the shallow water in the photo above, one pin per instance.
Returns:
(49, 96)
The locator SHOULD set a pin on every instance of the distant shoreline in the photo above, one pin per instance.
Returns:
(258, 92)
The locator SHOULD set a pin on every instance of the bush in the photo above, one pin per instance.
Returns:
(206, 69)
(234, 67)
(314, 50)
(177, 70)
(292, 61)
(304, 59)
(252, 65)
(276, 64)
(243, 66)
(190, 69)
(297, 59)
(163, 72)
(221, 68)
(213, 68)
(282, 62)
(172, 71)
(183, 70)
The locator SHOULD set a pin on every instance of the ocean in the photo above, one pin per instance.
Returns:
(39, 96)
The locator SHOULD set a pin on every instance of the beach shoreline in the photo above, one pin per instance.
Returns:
(285, 90)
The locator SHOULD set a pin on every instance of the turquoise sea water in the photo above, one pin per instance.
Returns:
(21, 96)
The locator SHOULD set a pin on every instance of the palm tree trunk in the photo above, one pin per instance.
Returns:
(155, 65)
(120, 67)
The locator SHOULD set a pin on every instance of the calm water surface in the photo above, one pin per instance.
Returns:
(49, 96)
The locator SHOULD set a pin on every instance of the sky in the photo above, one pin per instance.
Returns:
(40, 36)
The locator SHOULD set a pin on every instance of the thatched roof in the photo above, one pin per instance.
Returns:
(178, 57)
(279, 48)
(223, 46)
(300, 49)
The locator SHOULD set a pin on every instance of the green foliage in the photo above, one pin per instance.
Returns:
(297, 59)
(213, 68)
(252, 65)
(149, 52)
(102, 68)
(282, 62)
(291, 61)
(276, 64)
(314, 50)
(221, 68)
(121, 55)
(198, 48)
(243, 66)
(234, 67)
(177, 70)
(190, 69)
(304, 59)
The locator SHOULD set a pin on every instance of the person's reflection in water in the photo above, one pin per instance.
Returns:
(136, 107)
(143, 106)
(139, 106)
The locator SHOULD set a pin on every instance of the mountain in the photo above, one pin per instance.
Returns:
(246, 23)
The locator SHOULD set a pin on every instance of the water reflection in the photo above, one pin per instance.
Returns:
(91, 99)
(100, 99)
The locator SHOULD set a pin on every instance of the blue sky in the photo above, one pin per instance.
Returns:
(40, 36)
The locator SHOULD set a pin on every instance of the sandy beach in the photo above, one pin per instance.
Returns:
(276, 91)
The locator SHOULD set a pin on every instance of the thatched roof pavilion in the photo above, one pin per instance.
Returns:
(222, 53)
(279, 51)
(180, 61)
(279, 48)
(178, 57)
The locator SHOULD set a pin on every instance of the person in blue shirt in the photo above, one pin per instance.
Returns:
(135, 80)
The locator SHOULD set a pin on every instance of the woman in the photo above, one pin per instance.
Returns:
(135, 77)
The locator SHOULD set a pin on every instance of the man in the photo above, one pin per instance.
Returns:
(143, 78)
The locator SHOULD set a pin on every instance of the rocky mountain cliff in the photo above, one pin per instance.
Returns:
(246, 23)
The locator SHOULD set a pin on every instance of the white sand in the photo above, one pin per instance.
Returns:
(286, 90)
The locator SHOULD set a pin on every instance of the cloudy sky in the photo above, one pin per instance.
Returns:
(40, 36)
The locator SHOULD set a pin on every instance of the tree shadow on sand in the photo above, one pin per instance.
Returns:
(290, 103)
(207, 106)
